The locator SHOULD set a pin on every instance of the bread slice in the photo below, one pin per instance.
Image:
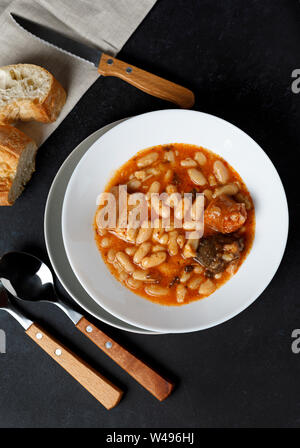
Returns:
(17, 163)
(29, 92)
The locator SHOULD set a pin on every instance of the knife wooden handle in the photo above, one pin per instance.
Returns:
(143, 374)
(151, 84)
(101, 388)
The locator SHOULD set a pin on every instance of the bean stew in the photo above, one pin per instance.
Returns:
(173, 265)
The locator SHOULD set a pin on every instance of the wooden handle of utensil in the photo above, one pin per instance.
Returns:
(101, 388)
(151, 84)
(143, 374)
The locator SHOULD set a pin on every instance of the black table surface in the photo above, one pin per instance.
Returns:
(238, 58)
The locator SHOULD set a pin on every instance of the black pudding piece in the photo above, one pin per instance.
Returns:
(216, 252)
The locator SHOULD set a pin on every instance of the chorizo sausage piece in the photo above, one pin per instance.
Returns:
(225, 215)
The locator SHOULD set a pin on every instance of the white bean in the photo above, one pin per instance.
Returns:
(123, 276)
(207, 287)
(142, 251)
(180, 293)
(131, 234)
(101, 231)
(160, 208)
(229, 189)
(182, 207)
(168, 176)
(185, 276)
(179, 211)
(140, 175)
(125, 262)
(147, 160)
(111, 255)
(153, 171)
(134, 185)
(134, 284)
(157, 234)
(154, 260)
(194, 283)
(188, 162)
(200, 158)
(212, 180)
(117, 266)
(130, 250)
(156, 290)
(191, 247)
(221, 172)
(198, 207)
(180, 241)
(143, 276)
(105, 242)
(188, 251)
(154, 187)
(172, 245)
(143, 235)
(169, 156)
(197, 176)
(157, 248)
(164, 239)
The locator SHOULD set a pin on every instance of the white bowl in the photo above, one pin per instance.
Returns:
(162, 127)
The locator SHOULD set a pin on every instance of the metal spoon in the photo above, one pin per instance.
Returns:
(101, 388)
(28, 278)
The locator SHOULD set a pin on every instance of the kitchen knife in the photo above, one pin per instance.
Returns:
(110, 66)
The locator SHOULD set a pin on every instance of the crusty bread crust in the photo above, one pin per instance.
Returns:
(45, 109)
(4, 194)
(12, 144)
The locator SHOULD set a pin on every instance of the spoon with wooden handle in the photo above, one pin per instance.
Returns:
(101, 388)
(27, 278)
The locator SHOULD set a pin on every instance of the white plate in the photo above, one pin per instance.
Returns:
(162, 127)
(54, 239)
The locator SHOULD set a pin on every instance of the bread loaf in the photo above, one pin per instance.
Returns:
(17, 163)
(29, 92)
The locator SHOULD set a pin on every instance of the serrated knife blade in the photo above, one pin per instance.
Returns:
(60, 41)
(110, 66)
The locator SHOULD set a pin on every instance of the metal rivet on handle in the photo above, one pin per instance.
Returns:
(110, 61)
(108, 345)
(58, 352)
(129, 70)
(39, 335)
(89, 329)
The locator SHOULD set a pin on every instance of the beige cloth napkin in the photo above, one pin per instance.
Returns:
(106, 24)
